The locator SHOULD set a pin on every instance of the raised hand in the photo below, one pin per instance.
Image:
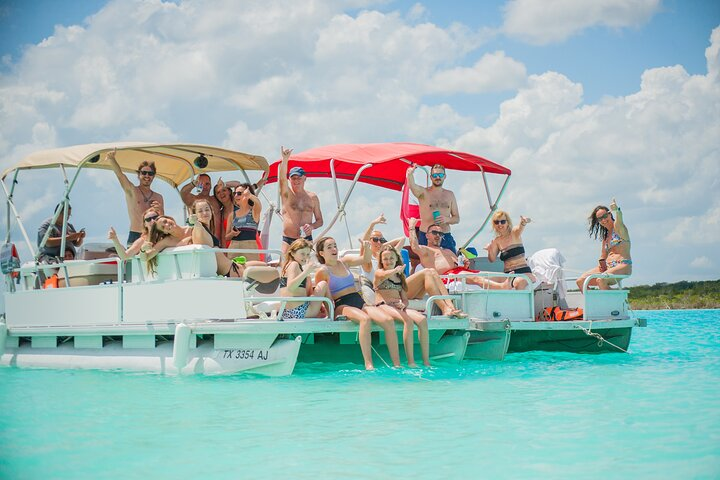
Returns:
(613, 205)
(112, 234)
(412, 222)
(524, 220)
(380, 220)
(285, 152)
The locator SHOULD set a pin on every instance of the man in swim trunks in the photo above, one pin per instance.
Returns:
(444, 260)
(300, 208)
(437, 206)
(139, 198)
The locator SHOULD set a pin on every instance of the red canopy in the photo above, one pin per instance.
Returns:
(390, 162)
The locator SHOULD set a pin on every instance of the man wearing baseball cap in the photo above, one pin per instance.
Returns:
(300, 208)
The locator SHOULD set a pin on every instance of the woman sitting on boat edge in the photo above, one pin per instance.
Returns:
(508, 245)
(296, 281)
(203, 224)
(349, 302)
(615, 248)
(391, 295)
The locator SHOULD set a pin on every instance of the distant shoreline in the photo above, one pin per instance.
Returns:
(676, 296)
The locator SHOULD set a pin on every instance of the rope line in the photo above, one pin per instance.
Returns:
(600, 338)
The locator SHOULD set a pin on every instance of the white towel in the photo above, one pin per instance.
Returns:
(547, 265)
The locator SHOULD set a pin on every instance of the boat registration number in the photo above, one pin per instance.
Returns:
(243, 354)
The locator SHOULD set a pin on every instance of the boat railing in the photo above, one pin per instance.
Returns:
(29, 273)
(494, 304)
(619, 279)
(138, 266)
(283, 301)
(462, 278)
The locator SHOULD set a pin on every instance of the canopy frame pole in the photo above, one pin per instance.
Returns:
(337, 200)
(65, 202)
(341, 207)
(11, 206)
(493, 207)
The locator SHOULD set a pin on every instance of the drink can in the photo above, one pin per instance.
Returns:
(436, 215)
(302, 233)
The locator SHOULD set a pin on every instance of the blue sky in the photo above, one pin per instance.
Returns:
(582, 100)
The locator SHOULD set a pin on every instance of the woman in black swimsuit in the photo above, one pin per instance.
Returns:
(508, 245)
(391, 294)
(203, 224)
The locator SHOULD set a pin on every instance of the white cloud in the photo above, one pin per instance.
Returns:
(547, 21)
(701, 262)
(492, 73)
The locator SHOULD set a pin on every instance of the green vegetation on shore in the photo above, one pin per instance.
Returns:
(680, 295)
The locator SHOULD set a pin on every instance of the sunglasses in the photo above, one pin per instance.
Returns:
(499, 222)
(437, 233)
(377, 239)
(437, 175)
(151, 218)
(237, 194)
(147, 173)
(603, 217)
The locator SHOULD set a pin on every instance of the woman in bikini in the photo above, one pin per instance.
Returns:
(164, 233)
(203, 224)
(349, 302)
(242, 229)
(508, 245)
(296, 281)
(149, 217)
(391, 296)
(615, 249)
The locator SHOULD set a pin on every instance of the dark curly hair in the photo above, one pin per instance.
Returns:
(595, 228)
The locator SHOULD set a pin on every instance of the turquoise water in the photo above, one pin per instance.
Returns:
(651, 414)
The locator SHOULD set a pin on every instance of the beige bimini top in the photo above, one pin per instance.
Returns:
(175, 163)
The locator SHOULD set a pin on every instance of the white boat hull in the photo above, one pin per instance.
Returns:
(276, 360)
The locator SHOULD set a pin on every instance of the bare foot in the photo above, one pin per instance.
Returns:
(412, 365)
(369, 366)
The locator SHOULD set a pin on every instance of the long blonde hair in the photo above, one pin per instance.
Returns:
(155, 236)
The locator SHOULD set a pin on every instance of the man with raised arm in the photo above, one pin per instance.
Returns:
(443, 260)
(300, 208)
(139, 198)
(437, 206)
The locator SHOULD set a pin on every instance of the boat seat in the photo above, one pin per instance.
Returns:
(188, 261)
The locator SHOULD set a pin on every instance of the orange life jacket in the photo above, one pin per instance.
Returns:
(557, 314)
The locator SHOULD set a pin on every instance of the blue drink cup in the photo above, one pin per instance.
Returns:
(436, 216)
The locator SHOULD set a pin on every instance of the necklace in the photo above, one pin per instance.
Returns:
(146, 199)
